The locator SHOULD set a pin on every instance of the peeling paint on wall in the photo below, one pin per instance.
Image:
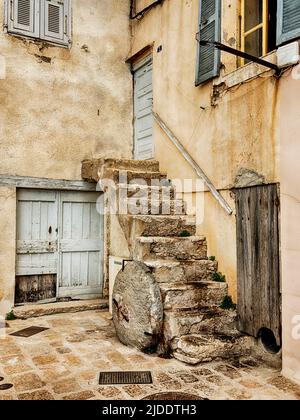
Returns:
(248, 178)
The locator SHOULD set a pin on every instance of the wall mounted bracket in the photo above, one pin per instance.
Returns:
(238, 53)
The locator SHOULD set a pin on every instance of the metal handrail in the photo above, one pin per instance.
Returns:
(220, 199)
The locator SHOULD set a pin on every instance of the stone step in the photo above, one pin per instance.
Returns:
(155, 207)
(145, 191)
(135, 177)
(94, 169)
(214, 321)
(37, 310)
(195, 349)
(132, 165)
(170, 271)
(160, 225)
(194, 247)
(193, 296)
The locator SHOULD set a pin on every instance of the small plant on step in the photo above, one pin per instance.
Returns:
(212, 258)
(219, 278)
(228, 303)
(10, 316)
(185, 234)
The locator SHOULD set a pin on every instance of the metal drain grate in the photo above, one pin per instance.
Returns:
(125, 378)
(29, 332)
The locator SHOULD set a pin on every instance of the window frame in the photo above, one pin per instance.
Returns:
(263, 25)
(66, 43)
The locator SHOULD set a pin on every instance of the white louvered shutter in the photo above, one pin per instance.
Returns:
(23, 17)
(56, 21)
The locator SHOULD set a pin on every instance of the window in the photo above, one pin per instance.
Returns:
(258, 28)
(46, 20)
(208, 58)
(265, 25)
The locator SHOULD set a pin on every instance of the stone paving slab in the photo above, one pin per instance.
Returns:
(63, 363)
(38, 310)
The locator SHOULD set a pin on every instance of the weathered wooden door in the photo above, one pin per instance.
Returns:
(143, 103)
(80, 245)
(258, 267)
(59, 245)
(37, 245)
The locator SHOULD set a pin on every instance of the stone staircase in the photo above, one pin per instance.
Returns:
(162, 236)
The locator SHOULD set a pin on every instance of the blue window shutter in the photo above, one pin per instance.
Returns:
(288, 21)
(208, 57)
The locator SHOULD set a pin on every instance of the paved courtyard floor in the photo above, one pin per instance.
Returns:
(64, 363)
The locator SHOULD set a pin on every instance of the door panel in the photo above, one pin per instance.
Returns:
(143, 103)
(80, 245)
(259, 299)
(35, 288)
(36, 233)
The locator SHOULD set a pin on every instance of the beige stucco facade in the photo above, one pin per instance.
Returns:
(209, 120)
(290, 216)
(245, 119)
(75, 107)
(60, 106)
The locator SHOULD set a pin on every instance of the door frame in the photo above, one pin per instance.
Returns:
(135, 66)
(59, 185)
(32, 183)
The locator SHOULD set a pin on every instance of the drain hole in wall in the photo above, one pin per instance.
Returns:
(268, 340)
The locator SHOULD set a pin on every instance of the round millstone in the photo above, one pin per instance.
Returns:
(137, 307)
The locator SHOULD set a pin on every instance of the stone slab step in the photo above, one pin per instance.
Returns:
(150, 165)
(37, 310)
(147, 191)
(195, 349)
(135, 177)
(193, 295)
(170, 271)
(215, 322)
(190, 248)
(161, 225)
(156, 207)
(93, 170)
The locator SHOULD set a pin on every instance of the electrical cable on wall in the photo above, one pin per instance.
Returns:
(137, 15)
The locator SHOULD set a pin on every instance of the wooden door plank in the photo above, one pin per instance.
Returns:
(35, 288)
(258, 270)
